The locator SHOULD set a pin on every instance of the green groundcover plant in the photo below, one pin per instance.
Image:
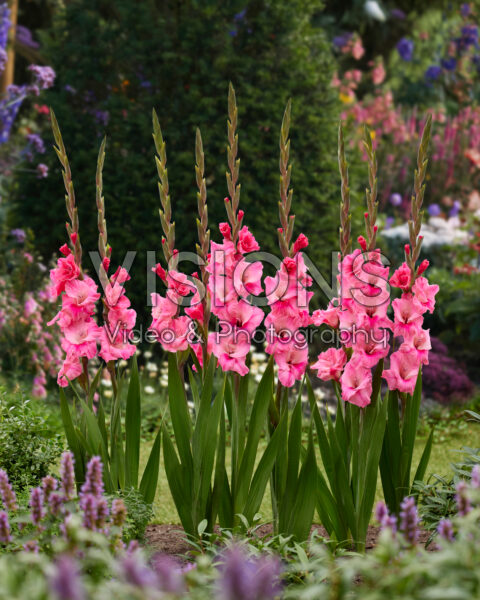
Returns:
(397, 567)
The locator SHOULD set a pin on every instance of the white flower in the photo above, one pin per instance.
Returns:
(373, 9)
(319, 394)
(151, 366)
(107, 383)
(258, 378)
(108, 393)
(148, 389)
(148, 354)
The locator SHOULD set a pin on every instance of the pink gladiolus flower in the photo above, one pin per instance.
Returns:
(246, 241)
(81, 294)
(356, 383)
(330, 316)
(66, 270)
(114, 344)
(80, 338)
(330, 364)
(71, 369)
(418, 339)
(300, 243)
(163, 308)
(160, 271)
(247, 278)
(243, 316)
(30, 307)
(195, 310)
(425, 293)
(179, 286)
(230, 351)
(403, 372)
(173, 333)
(401, 278)
(120, 276)
(292, 360)
(408, 313)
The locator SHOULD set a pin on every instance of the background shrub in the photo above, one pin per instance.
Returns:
(29, 443)
(111, 72)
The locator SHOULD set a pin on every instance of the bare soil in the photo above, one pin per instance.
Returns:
(171, 539)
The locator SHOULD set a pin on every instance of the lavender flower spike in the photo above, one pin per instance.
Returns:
(386, 520)
(67, 475)
(93, 480)
(36, 505)
(5, 536)
(445, 530)
(65, 583)
(463, 502)
(7, 494)
(409, 520)
(475, 481)
(119, 512)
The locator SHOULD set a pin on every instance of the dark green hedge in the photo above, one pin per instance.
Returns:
(125, 57)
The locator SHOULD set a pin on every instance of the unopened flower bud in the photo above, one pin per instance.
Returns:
(407, 249)
(160, 271)
(74, 237)
(240, 214)
(65, 250)
(106, 263)
(423, 266)
(363, 242)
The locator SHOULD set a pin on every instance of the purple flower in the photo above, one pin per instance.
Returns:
(44, 76)
(65, 583)
(395, 199)
(55, 502)
(93, 480)
(88, 504)
(449, 63)
(4, 24)
(49, 485)
(67, 475)
(24, 36)
(119, 512)
(101, 117)
(397, 13)
(475, 481)
(463, 502)
(42, 171)
(245, 578)
(405, 49)
(240, 16)
(389, 221)
(433, 73)
(457, 205)
(31, 546)
(434, 210)
(36, 505)
(102, 513)
(36, 142)
(409, 520)
(3, 59)
(169, 575)
(386, 520)
(7, 494)
(342, 40)
(19, 235)
(136, 573)
(445, 530)
(5, 536)
(69, 89)
(465, 9)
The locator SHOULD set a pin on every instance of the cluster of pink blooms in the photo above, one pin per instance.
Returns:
(172, 330)
(80, 332)
(232, 279)
(22, 320)
(360, 316)
(288, 299)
